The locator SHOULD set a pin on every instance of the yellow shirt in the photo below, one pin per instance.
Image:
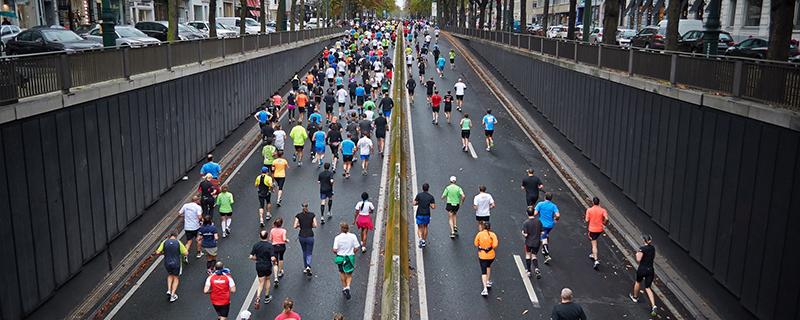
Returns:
(279, 168)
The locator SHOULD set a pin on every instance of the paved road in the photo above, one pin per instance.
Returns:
(451, 268)
(316, 298)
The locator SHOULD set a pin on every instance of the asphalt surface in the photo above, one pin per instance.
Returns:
(318, 297)
(451, 266)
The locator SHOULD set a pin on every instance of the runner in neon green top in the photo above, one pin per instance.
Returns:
(299, 136)
(452, 55)
(268, 151)
(453, 196)
(225, 207)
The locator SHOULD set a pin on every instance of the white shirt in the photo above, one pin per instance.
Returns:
(345, 243)
(342, 66)
(341, 95)
(280, 138)
(460, 87)
(409, 59)
(483, 201)
(370, 114)
(191, 216)
(428, 38)
(376, 66)
(364, 208)
(365, 146)
(379, 76)
(330, 72)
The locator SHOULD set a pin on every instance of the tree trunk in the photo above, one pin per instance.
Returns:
(545, 15)
(610, 20)
(498, 16)
(461, 15)
(780, 33)
(505, 15)
(523, 15)
(482, 14)
(302, 14)
(571, 20)
(672, 25)
(452, 18)
(212, 19)
(242, 16)
(262, 17)
(471, 18)
(280, 20)
(293, 16)
(172, 20)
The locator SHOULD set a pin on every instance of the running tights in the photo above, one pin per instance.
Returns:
(307, 245)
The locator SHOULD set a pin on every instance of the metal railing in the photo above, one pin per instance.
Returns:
(29, 75)
(771, 82)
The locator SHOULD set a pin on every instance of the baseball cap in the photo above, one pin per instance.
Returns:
(264, 169)
(452, 178)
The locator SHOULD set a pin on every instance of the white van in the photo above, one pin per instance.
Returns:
(684, 25)
(251, 26)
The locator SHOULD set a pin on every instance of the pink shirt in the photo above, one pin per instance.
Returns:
(278, 236)
(291, 315)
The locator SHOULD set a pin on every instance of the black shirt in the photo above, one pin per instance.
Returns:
(306, 221)
(268, 132)
(263, 189)
(648, 255)
(325, 181)
(335, 126)
(424, 201)
(567, 311)
(411, 84)
(448, 100)
(352, 128)
(263, 252)
(533, 229)
(380, 124)
(386, 104)
(429, 85)
(329, 99)
(531, 185)
(365, 126)
(206, 189)
(334, 137)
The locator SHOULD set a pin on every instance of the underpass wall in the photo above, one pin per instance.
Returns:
(726, 188)
(72, 180)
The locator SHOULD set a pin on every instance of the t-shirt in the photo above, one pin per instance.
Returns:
(466, 124)
(448, 100)
(485, 240)
(387, 104)
(345, 243)
(364, 208)
(280, 138)
(211, 167)
(315, 118)
(208, 231)
(268, 152)
(264, 184)
(484, 202)
(489, 121)
(306, 221)
(267, 131)
(596, 215)
(220, 286)
(329, 99)
(191, 216)
(302, 100)
(365, 126)
(369, 105)
(325, 179)
(341, 96)
(547, 211)
(279, 168)
(277, 236)
(364, 146)
(298, 135)
(263, 252)
(348, 146)
(172, 249)
(424, 201)
(380, 124)
(360, 91)
(225, 202)
(460, 86)
(531, 185)
(411, 84)
(648, 255)
(429, 85)
(453, 193)
(288, 316)
(533, 230)
(263, 116)
(319, 139)
(567, 311)
(441, 62)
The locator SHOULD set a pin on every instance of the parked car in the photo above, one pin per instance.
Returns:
(6, 33)
(222, 30)
(648, 38)
(756, 48)
(557, 32)
(158, 30)
(251, 26)
(692, 41)
(624, 36)
(48, 38)
(684, 25)
(84, 29)
(596, 36)
(127, 36)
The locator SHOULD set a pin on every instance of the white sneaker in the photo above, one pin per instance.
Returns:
(485, 292)
(173, 298)
(489, 284)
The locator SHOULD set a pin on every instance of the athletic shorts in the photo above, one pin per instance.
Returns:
(211, 251)
(452, 61)
(226, 214)
(334, 150)
(347, 158)
(364, 157)
(532, 250)
(380, 134)
(435, 109)
(460, 97)
(325, 195)
(341, 104)
(387, 113)
(263, 271)
(328, 108)
(280, 182)
(299, 148)
(482, 218)
(546, 233)
(645, 277)
(190, 234)
(410, 91)
(485, 265)
(428, 93)
(319, 149)
(279, 250)
(448, 107)
(465, 134)
(452, 207)
(531, 199)
(301, 109)
(264, 200)
(174, 269)
(222, 311)
(488, 133)
(423, 220)
(594, 235)
(360, 100)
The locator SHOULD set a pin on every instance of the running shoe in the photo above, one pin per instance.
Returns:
(224, 234)
(485, 292)
(228, 230)
(653, 312)
(300, 163)
(538, 273)
(169, 295)
(256, 305)
(280, 274)
(346, 293)
(489, 284)
(267, 299)
(596, 264)
(455, 230)
(261, 225)
(591, 256)
(634, 299)
(199, 254)
(294, 158)
(322, 221)
(488, 149)
(363, 249)
(547, 259)
(277, 283)
(173, 298)
(528, 273)
(452, 235)
(420, 244)
(186, 259)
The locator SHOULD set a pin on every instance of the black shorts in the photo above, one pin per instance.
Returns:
(645, 277)
(279, 250)
(341, 104)
(429, 93)
(532, 250)
(452, 61)
(488, 133)
(360, 100)
(263, 200)
(452, 208)
(226, 214)
(174, 269)
(531, 199)
(460, 97)
(448, 107)
(347, 158)
(485, 265)
(299, 148)
(326, 195)
(380, 134)
(594, 235)
(222, 311)
(435, 109)
(410, 91)
(465, 134)
(280, 182)
(482, 218)
(190, 234)
(334, 150)
(263, 270)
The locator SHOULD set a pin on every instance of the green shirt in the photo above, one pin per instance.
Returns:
(298, 135)
(225, 202)
(453, 193)
(369, 105)
(268, 152)
(452, 54)
(466, 124)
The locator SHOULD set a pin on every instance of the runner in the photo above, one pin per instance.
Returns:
(219, 285)
(192, 216)
(210, 167)
(264, 186)
(279, 168)
(334, 138)
(548, 215)
(344, 247)
(209, 243)
(466, 126)
(487, 242)
(381, 128)
(483, 203)
(448, 105)
(263, 117)
(207, 193)
(532, 231)
(596, 218)
(460, 88)
(329, 100)
(567, 310)
(360, 95)
(452, 56)
(325, 181)
(410, 86)
(291, 104)
(430, 86)
(425, 203)
(277, 235)
(363, 220)
(365, 126)
(305, 222)
(421, 70)
(174, 253)
(299, 136)
(348, 148)
(440, 64)
(532, 185)
(314, 118)
(280, 137)
(436, 102)
(645, 273)
(302, 102)
(287, 313)
(264, 256)
(225, 206)
(365, 149)
(453, 196)
(386, 105)
(318, 140)
(341, 98)
(277, 101)
(488, 128)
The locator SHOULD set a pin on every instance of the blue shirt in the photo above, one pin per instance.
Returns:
(339, 81)
(211, 167)
(319, 139)
(360, 92)
(547, 211)
(208, 231)
(378, 35)
(489, 121)
(315, 117)
(331, 58)
(263, 116)
(348, 146)
(441, 62)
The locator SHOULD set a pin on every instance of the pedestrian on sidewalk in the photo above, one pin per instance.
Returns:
(596, 218)
(425, 202)
(263, 255)
(209, 243)
(567, 310)
(532, 231)
(453, 196)
(219, 286)
(277, 236)
(548, 215)
(466, 127)
(363, 219)
(344, 247)
(264, 184)
(483, 203)
(486, 241)
(305, 222)
(288, 313)
(645, 274)
(192, 216)
(225, 204)
(279, 168)
(174, 251)
(531, 185)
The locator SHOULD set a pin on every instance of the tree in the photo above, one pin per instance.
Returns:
(571, 21)
(610, 20)
(302, 15)
(523, 15)
(545, 15)
(172, 20)
(242, 16)
(482, 13)
(212, 19)
(280, 20)
(780, 29)
(262, 17)
(293, 15)
(498, 16)
(672, 24)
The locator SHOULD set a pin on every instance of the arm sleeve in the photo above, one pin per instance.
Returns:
(184, 251)
(160, 247)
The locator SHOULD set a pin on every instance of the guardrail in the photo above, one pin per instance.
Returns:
(770, 82)
(29, 75)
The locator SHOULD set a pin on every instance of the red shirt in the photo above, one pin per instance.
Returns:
(291, 315)
(220, 285)
(436, 100)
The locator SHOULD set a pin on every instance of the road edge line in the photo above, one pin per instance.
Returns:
(527, 282)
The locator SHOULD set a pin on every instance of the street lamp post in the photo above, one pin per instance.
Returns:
(711, 37)
(107, 25)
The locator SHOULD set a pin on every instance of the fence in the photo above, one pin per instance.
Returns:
(770, 82)
(29, 75)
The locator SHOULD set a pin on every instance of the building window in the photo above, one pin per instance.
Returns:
(732, 13)
(753, 13)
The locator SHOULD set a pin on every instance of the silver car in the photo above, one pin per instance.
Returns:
(6, 33)
(127, 36)
(222, 30)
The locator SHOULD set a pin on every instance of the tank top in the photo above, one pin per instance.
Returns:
(278, 236)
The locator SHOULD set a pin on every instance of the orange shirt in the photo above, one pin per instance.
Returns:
(486, 239)
(596, 215)
(302, 100)
(309, 79)
(277, 236)
(279, 168)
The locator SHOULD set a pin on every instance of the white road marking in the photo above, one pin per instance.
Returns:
(249, 297)
(527, 281)
(472, 150)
